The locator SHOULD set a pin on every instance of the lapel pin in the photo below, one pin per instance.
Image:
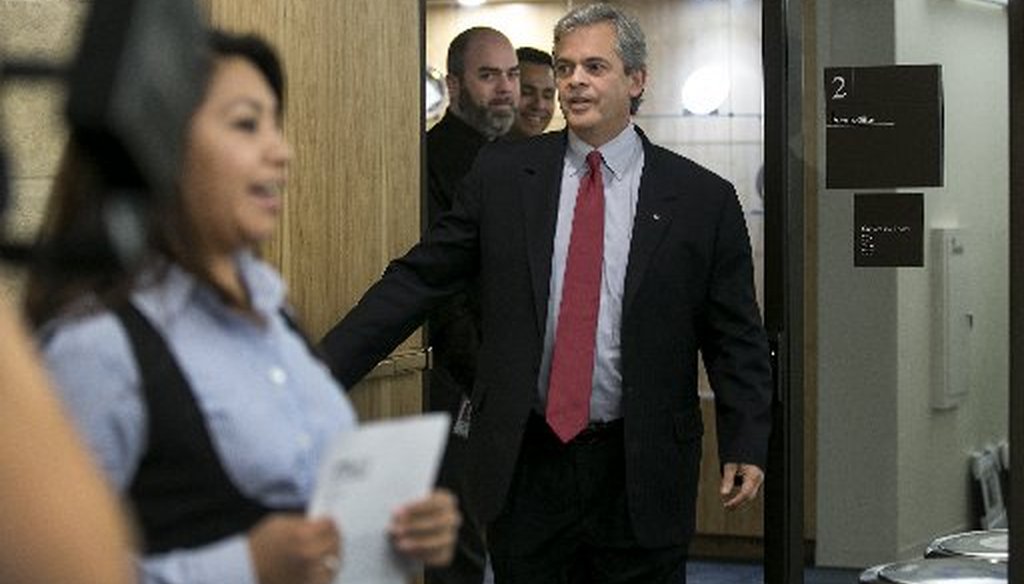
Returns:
(656, 217)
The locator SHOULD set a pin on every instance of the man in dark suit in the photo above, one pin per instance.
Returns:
(483, 89)
(602, 257)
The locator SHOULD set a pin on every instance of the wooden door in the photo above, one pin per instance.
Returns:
(353, 120)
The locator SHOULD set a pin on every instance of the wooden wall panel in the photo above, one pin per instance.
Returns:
(353, 119)
(712, 518)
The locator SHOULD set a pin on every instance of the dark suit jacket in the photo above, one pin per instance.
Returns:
(453, 331)
(689, 287)
(452, 146)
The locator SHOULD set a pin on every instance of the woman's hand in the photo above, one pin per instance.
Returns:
(291, 548)
(427, 529)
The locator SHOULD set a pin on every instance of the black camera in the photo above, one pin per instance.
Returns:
(138, 74)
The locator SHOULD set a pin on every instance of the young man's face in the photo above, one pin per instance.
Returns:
(594, 89)
(536, 98)
(487, 94)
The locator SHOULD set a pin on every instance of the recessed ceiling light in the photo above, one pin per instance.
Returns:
(705, 90)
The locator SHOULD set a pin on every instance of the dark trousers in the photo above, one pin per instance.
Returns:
(467, 566)
(566, 520)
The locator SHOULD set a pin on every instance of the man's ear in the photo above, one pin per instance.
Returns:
(454, 85)
(638, 78)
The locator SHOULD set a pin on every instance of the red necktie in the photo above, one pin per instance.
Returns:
(572, 362)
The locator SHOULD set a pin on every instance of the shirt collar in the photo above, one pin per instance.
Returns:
(167, 289)
(619, 153)
(265, 285)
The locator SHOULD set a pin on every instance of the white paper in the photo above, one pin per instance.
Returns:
(367, 474)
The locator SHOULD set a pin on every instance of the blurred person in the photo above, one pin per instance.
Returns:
(605, 264)
(61, 522)
(536, 93)
(188, 377)
(483, 85)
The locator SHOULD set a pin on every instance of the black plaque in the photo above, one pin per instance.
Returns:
(883, 126)
(888, 230)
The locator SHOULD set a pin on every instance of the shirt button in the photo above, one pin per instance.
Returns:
(304, 440)
(278, 376)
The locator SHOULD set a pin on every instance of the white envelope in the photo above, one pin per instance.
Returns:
(367, 474)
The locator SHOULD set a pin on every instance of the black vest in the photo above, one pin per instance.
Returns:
(182, 496)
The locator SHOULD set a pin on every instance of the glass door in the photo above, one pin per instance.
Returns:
(906, 149)
(890, 376)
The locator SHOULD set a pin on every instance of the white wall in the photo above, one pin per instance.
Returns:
(893, 471)
(934, 444)
(856, 491)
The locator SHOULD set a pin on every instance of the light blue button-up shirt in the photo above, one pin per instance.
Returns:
(623, 166)
(271, 408)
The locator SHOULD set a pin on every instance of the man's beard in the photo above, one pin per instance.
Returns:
(489, 122)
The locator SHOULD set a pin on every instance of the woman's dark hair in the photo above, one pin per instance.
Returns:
(257, 51)
(78, 210)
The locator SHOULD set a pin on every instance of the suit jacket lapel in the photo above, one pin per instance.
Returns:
(541, 184)
(653, 217)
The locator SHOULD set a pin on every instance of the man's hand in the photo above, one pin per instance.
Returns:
(740, 484)
(427, 530)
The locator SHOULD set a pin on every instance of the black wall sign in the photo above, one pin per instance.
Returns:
(883, 126)
(888, 230)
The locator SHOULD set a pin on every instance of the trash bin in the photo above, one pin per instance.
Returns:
(937, 571)
(870, 576)
(991, 544)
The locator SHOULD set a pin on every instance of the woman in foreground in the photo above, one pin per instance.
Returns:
(201, 399)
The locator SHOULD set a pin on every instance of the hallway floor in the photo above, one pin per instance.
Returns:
(703, 572)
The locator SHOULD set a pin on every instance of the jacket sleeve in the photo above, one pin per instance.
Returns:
(455, 337)
(734, 345)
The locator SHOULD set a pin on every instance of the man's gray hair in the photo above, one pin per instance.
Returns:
(630, 43)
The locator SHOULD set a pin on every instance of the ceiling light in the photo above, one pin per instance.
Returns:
(705, 90)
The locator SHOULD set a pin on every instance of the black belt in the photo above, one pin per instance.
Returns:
(598, 432)
(594, 433)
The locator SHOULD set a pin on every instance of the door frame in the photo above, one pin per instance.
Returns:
(782, 60)
(1015, 513)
